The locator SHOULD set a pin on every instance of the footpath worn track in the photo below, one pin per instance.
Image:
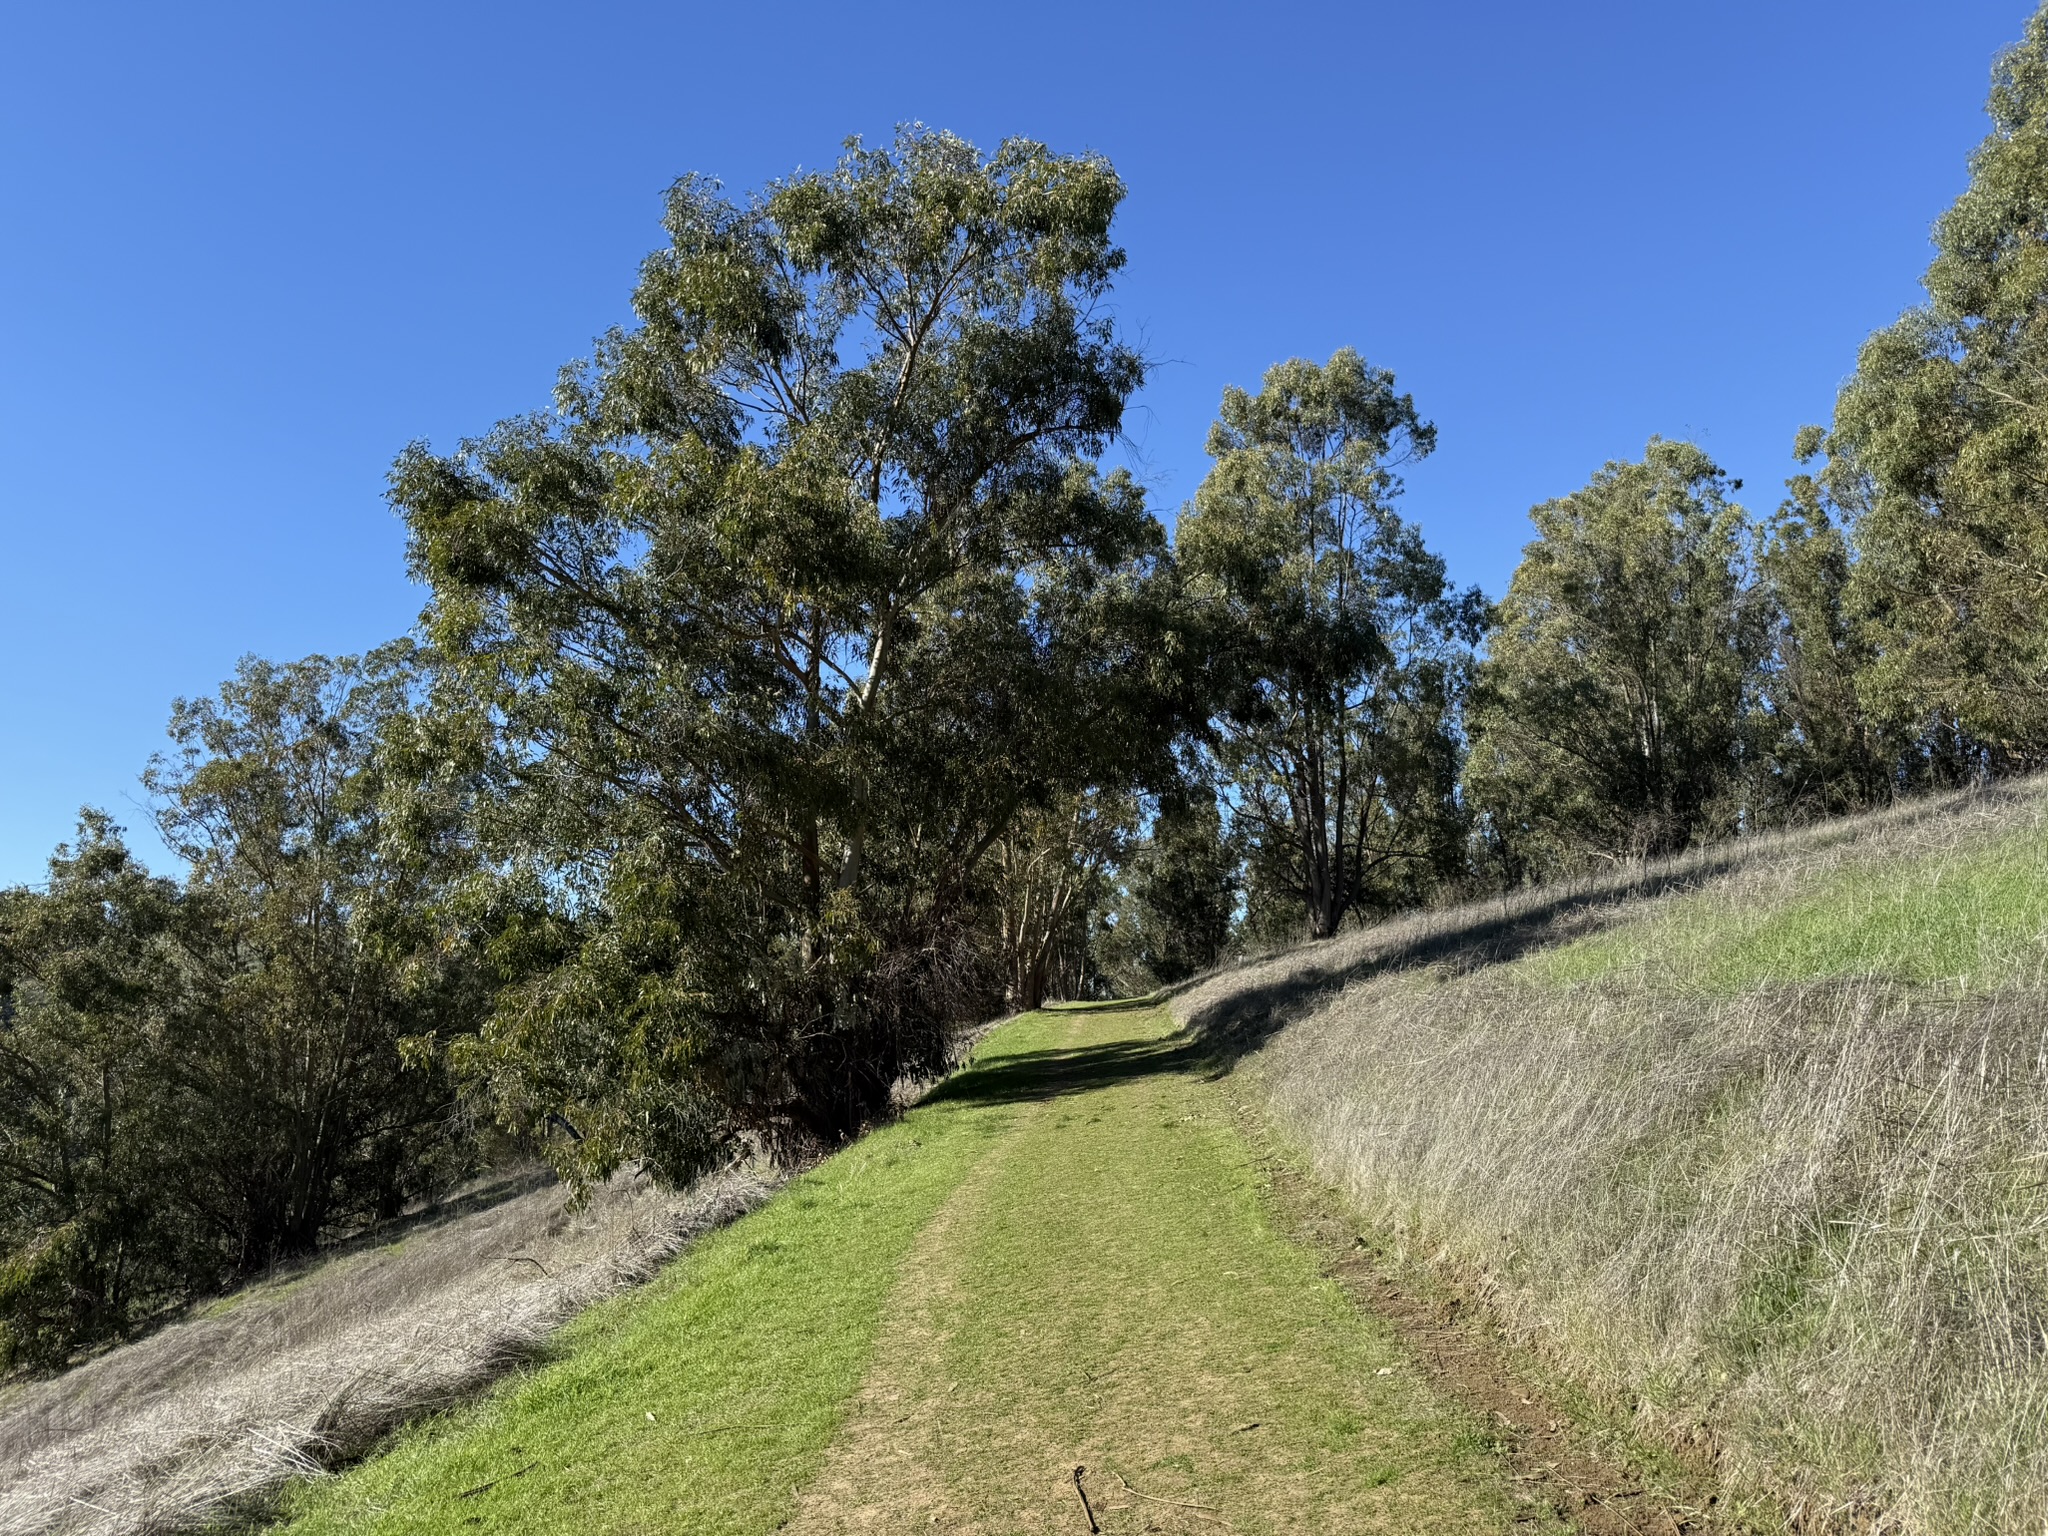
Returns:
(1061, 1291)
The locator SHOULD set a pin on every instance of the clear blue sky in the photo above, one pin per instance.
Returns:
(248, 252)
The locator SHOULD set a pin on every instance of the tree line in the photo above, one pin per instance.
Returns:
(801, 687)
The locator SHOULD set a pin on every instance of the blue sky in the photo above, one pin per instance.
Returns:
(247, 253)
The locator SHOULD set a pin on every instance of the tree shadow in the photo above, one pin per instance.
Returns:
(1233, 1026)
(1029, 1077)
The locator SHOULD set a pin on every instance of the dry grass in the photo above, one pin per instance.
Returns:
(1755, 1142)
(204, 1422)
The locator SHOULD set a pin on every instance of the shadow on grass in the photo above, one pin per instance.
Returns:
(1233, 1026)
(1223, 1032)
(1229, 1027)
(1034, 1076)
(1109, 1005)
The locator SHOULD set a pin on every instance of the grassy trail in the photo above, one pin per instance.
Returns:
(1066, 1257)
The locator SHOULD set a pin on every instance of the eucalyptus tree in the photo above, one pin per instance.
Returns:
(1940, 450)
(318, 939)
(1052, 869)
(200, 1078)
(1180, 891)
(89, 1142)
(1612, 715)
(1349, 648)
(807, 590)
(1822, 751)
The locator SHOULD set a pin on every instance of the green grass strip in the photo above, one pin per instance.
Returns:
(1976, 920)
(699, 1402)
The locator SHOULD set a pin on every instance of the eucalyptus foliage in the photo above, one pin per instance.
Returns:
(88, 979)
(1179, 898)
(1823, 752)
(804, 594)
(319, 938)
(1611, 718)
(1348, 649)
(1939, 452)
(202, 1078)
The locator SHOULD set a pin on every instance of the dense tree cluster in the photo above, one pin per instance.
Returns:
(200, 1079)
(802, 689)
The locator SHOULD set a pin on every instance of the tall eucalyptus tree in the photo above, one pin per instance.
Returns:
(1939, 452)
(1612, 715)
(805, 592)
(1349, 648)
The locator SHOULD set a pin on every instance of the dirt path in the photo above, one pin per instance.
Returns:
(1109, 1289)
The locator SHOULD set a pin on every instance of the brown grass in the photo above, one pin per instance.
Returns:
(1801, 1223)
(204, 1421)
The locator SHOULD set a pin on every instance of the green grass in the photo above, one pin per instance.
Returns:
(1065, 1257)
(1105, 1005)
(699, 1402)
(1977, 920)
(1110, 1289)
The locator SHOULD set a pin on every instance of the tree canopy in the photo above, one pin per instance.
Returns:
(808, 590)
(800, 688)
(1346, 645)
(1610, 714)
(201, 1078)
(1939, 453)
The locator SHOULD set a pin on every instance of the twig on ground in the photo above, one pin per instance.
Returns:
(1214, 1515)
(1589, 1498)
(470, 1493)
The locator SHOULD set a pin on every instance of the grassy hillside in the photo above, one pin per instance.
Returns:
(214, 1413)
(1754, 1142)
(1064, 1260)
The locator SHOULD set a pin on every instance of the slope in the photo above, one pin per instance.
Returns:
(1751, 1143)
(1066, 1258)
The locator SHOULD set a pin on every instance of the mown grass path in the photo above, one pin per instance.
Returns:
(1065, 1257)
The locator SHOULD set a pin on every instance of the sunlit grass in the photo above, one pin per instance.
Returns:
(1063, 1257)
(1110, 1289)
(700, 1402)
(1976, 920)
(1762, 1160)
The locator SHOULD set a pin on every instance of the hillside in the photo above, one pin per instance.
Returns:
(212, 1414)
(1074, 1273)
(1735, 1157)
(1752, 1142)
